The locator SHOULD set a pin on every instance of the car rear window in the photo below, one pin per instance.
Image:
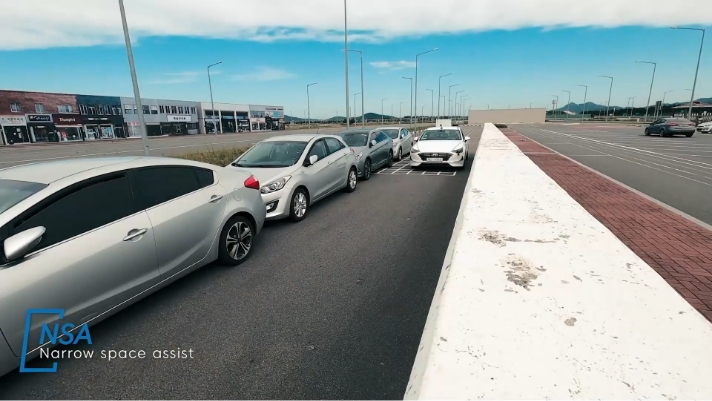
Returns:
(13, 192)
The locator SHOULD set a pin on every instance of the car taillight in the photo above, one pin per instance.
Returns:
(252, 183)
(672, 123)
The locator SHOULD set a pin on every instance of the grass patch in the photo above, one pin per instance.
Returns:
(221, 157)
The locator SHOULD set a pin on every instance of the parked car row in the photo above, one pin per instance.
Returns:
(93, 236)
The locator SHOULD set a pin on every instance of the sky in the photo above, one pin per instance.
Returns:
(500, 53)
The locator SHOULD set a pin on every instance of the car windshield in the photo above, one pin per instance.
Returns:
(391, 132)
(272, 154)
(13, 192)
(441, 135)
(354, 139)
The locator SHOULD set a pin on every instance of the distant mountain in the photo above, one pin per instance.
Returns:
(590, 106)
(289, 119)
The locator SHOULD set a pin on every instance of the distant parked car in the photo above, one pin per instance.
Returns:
(442, 147)
(402, 140)
(93, 236)
(298, 171)
(671, 127)
(705, 128)
(373, 149)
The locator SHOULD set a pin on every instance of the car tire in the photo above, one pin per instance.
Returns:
(236, 241)
(367, 170)
(663, 133)
(299, 205)
(647, 133)
(400, 154)
(351, 180)
(389, 162)
(689, 135)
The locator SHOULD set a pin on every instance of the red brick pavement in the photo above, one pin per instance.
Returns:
(677, 248)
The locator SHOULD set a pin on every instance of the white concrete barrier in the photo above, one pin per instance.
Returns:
(538, 300)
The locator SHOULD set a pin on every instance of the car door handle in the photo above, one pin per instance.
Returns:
(215, 198)
(135, 233)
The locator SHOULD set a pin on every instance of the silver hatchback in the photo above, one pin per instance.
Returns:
(90, 237)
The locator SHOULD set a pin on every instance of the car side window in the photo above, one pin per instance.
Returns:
(381, 137)
(318, 149)
(206, 177)
(334, 145)
(80, 208)
(405, 133)
(158, 185)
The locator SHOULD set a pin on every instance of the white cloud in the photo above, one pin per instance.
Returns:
(393, 65)
(265, 74)
(178, 78)
(45, 23)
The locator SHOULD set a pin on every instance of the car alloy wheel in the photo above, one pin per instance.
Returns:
(239, 240)
(390, 158)
(351, 180)
(300, 204)
(367, 169)
(400, 153)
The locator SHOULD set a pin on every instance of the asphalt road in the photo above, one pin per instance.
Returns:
(676, 171)
(329, 308)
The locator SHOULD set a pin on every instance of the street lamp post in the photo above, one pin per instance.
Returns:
(697, 70)
(362, 112)
(568, 104)
(556, 105)
(355, 104)
(583, 113)
(462, 105)
(439, 78)
(212, 104)
(631, 103)
(432, 101)
(610, 90)
(346, 63)
(416, 80)
(456, 94)
(662, 104)
(309, 108)
(449, 99)
(382, 109)
(650, 93)
(400, 112)
(134, 79)
(411, 101)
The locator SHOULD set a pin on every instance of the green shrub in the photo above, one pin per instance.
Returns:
(221, 157)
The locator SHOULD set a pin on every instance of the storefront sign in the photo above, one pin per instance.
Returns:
(13, 121)
(274, 108)
(67, 119)
(39, 118)
(179, 119)
(258, 120)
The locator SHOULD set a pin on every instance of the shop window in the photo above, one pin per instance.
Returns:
(15, 107)
(92, 110)
(173, 110)
(154, 109)
(128, 109)
(135, 109)
(180, 109)
(162, 109)
(83, 109)
(192, 110)
(39, 108)
(65, 108)
(146, 110)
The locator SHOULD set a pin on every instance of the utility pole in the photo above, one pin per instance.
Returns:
(583, 113)
(610, 90)
(439, 87)
(697, 70)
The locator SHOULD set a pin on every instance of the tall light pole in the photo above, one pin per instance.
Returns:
(585, 93)
(382, 109)
(556, 105)
(610, 90)
(631, 104)
(462, 105)
(392, 112)
(456, 94)
(309, 107)
(400, 112)
(134, 79)
(662, 104)
(449, 99)
(568, 104)
(355, 103)
(650, 93)
(432, 101)
(362, 112)
(346, 63)
(416, 80)
(697, 70)
(440, 78)
(411, 100)
(212, 104)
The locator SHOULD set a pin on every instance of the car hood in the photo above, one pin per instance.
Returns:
(267, 175)
(437, 146)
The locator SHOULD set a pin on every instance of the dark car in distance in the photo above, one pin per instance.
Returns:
(671, 127)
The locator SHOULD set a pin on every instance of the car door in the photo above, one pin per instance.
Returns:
(383, 147)
(97, 252)
(406, 141)
(338, 168)
(319, 172)
(185, 212)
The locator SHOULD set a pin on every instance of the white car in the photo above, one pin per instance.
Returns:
(705, 128)
(402, 140)
(440, 146)
(298, 171)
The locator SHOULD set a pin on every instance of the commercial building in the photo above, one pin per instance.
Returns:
(101, 117)
(230, 118)
(162, 117)
(266, 117)
(28, 116)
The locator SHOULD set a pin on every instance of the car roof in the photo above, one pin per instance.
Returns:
(443, 128)
(293, 138)
(51, 171)
(389, 127)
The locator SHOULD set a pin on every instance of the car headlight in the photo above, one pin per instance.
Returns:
(275, 185)
(358, 157)
(459, 149)
(414, 149)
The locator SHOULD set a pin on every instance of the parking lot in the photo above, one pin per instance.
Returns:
(329, 308)
(674, 170)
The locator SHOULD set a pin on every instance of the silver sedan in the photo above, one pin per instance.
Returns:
(93, 236)
(373, 149)
(299, 170)
(402, 140)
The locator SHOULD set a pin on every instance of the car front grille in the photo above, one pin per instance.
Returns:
(444, 156)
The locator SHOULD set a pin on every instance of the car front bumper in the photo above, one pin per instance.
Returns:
(447, 160)
(278, 204)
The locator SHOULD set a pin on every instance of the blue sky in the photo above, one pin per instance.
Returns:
(499, 68)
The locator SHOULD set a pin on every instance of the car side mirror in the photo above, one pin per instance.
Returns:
(467, 138)
(415, 139)
(373, 143)
(311, 160)
(22, 243)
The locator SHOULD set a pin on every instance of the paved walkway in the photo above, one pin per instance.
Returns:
(677, 248)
